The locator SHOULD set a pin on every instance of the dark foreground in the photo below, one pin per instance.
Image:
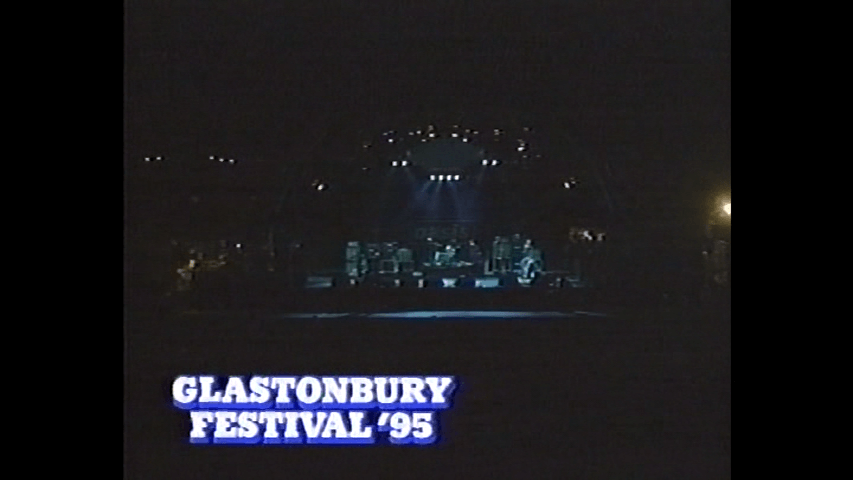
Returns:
(642, 393)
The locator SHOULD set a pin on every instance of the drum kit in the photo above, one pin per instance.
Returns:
(445, 256)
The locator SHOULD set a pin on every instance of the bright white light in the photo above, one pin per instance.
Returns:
(464, 139)
(212, 157)
(404, 163)
(239, 245)
(432, 177)
(520, 149)
(147, 159)
(221, 160)
(567, 185)
(321, 186)
(728, 209)
(494, 162)
(231, 161)
(485, 162)
(456, 177)
(394, 163)
(441, 177)
(159, 158)
(454, 135)
(431, 135)
(419, 132)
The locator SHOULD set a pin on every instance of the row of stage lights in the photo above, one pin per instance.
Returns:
(212, 157)
(222, 160)
(442, 178)
(456, 128)
(431, 133)
(405, 163)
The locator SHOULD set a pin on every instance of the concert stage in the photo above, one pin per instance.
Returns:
(450, 278)
(334, 295)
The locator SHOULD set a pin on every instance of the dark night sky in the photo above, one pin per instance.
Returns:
(650, 81)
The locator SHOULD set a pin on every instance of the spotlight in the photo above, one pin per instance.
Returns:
(454, 135)
(390, 140)
(322, 186)
(456, 177)
(485, 162)
(441, 177)
(432, 177)
(567, 185)
(431, 135)
(494, 162)
(404, 163)
(728, 209)
(394, 163)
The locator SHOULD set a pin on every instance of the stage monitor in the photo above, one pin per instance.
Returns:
(487, 283)
(319, 282)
